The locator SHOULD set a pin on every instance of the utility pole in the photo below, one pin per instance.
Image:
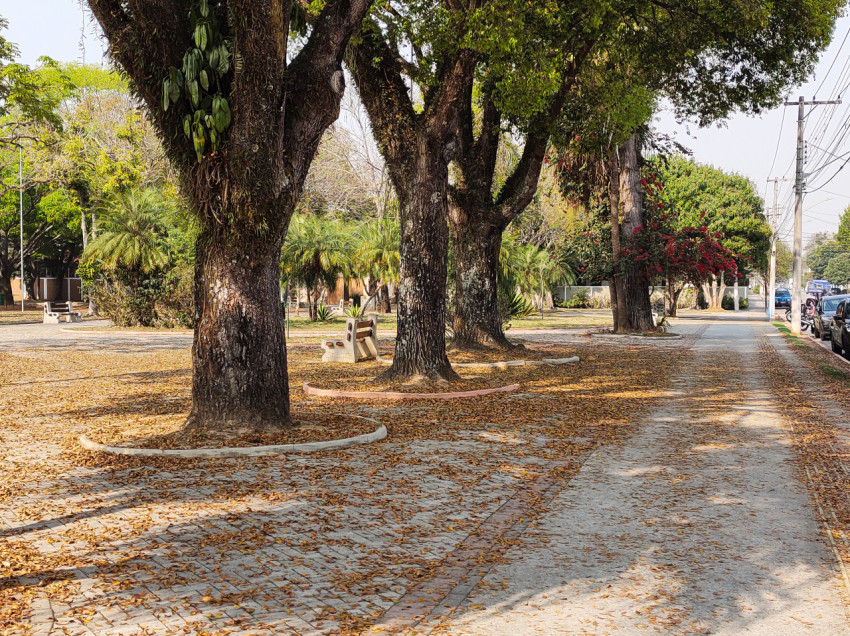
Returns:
(799, 184)
(774, 215)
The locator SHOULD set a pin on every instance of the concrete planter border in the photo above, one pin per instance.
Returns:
(505, 364)
(247, 451)
(614, 336)
(397, 395)
(94, 331)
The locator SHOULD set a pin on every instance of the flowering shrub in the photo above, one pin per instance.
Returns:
(680, 254)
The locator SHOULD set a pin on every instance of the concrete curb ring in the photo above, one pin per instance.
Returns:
(248, 451)
(397, 395)
(504, 364)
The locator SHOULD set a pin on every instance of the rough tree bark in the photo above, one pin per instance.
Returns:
(672, 293)
(635, 286)
(5, 269)
(6, 288)
(615, 286)
(418, 147)
(478, 218)
(385, 299)
(245, 193)
(477, 321)
(714, 291)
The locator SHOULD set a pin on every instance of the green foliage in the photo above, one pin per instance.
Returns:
(199, 85)
(529, 267)
(842, 237)
(725, 203)
(164, 301)
(838, 269)
(131, 234)
(323, 313)
(819, 258)
(377, 250)
(316, 252)
(784, 261)
(353, 311)
(579, 300)
(519, 307)
(728, 303)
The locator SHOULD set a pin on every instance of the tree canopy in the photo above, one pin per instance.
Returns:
(724, 203)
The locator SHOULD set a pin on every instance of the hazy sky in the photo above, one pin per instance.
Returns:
(746, 144)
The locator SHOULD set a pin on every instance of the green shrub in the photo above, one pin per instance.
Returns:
(520, 307)
(728, 303)
(579, 300)
(756, 288)
(600, 302)
(355, 299)
(353, 311)
(323, 313)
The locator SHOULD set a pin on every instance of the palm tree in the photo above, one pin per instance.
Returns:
(533, 269)
(378, 255)
(131, 233)
(315, 253)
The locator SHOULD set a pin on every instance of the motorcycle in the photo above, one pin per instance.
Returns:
(807, 316)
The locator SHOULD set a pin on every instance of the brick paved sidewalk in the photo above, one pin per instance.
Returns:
(329, 543)
(408, 535)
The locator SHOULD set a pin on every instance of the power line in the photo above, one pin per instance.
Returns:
(833, 63)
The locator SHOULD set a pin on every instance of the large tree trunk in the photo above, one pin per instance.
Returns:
(418, 147)
(244, 193)
(477, 321)
(636, 285)
(385, 299)
(6, 288)
(420, 348)
(618, 293)
(239, 352)
(672, 293)
(714, 291)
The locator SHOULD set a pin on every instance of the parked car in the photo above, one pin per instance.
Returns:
(782, 298)
(838, 329)
(824, 311)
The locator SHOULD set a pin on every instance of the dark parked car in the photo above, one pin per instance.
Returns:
(824, 311)
(838, 329)
(782, 298)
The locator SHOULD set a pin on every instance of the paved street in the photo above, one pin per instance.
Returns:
(696, 521)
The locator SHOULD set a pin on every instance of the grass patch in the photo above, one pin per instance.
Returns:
(832, 372)
(812, 355)
(793, 340)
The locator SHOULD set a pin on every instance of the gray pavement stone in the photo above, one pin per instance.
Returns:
(666, 524)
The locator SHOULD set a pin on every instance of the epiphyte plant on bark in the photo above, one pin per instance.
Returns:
(198, 84)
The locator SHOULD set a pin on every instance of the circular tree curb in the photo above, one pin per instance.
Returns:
(247, 451)
(504, 364)
(518, 363)
(397, 395)
(95, 331)
(637, 336)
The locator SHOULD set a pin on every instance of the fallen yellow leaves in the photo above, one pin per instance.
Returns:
(220, 540)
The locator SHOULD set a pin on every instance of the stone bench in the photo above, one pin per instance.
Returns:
(56, 312)
(359, 342)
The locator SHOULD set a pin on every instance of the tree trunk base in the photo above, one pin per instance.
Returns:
(441, 373)
(484, 342)
(229, 429)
